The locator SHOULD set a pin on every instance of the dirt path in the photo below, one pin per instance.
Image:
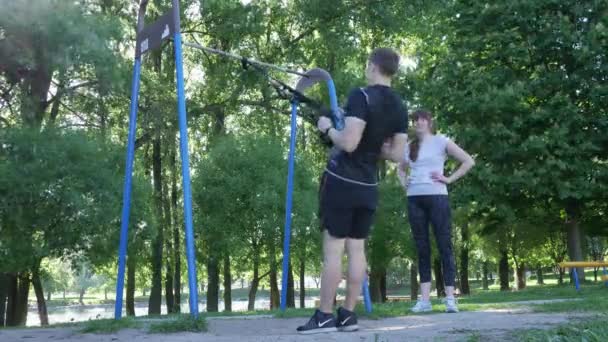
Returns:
(489, 324)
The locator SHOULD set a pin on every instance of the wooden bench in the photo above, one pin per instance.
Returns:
(573, 265)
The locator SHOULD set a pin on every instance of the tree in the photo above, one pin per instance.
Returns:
(390, 236)
(56, 275)
(58, 188)
(520, 83)
(52, 38)
(242, 181)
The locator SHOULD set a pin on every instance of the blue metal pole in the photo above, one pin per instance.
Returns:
(575, 275)
(288, 203)
(606, 275)
(333, 102)
(126, 197)
(366, 296)
(183, 134)
(183, 147)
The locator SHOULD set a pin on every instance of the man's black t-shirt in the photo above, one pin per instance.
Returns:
(385, 114)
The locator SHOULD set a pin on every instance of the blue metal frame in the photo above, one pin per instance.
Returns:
(183, 129)
(183, 137)
(577, 285)
(288, 202)
(126, 199)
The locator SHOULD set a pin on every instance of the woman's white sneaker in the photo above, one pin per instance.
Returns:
(451, 305)
(422, 306)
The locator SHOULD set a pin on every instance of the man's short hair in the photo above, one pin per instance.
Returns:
(386, 59)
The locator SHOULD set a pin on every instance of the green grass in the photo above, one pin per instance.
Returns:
(587, 304)
(544, 292)
(106, 326)
(588, 330)
(177, 324)
(474, 337)
(593, 297)
(158, 325)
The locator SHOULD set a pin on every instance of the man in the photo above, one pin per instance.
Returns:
(374, 127)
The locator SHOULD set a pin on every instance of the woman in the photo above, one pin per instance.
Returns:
(427, 197)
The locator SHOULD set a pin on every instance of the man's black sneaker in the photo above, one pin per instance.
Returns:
(319, 323)
(347, 320)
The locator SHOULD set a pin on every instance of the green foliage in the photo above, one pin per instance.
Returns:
(108, 326)
(56, 275)
(45, 38)
(178, 324)
(239, 191)
(522, 92)
(390, 236)
(61, 194)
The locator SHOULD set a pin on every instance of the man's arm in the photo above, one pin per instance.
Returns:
(402, 170)
(348, 139)
(394, 148)
(355, 115)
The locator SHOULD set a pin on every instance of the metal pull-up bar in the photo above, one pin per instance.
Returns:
(150, 37)
(245, 59)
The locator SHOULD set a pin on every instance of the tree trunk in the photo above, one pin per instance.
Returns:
(155, 301)
(48, 296)
(302, 283)
(169, 279)
(503, 270)
(21, 297)
(575, 252)
(464, 261)
(213, 280)
(12, 291)
(595, 274)
(383, 286)
(375, 283)
(42, 311)
(58, 96)
(34, 92)
(414, 286)
(275, 296)
(439, 283)
(81, 295)
(177, 288)
(560, 280)
(3, 297)
(169, 299)
(227, 283)
(484, 280)
(131, 265)
(291, 295)
(539, 276)
(255, 281)
(520, 274)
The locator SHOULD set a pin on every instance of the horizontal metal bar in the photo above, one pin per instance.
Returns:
(237, 57)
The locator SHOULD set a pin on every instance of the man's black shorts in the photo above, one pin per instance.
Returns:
(346, 209)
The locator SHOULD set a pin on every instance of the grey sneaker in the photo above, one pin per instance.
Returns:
(451, 305)
(422, 306)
